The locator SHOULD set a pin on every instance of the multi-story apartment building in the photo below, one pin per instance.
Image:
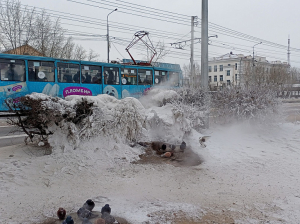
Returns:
(236, 69)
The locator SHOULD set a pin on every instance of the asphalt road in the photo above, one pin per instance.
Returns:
(9, 135)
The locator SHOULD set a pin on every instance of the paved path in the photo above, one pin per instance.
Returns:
(9, 135)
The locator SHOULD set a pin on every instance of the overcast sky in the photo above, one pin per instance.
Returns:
(270, 20)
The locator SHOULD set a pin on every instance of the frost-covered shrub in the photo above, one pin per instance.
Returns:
(36, 113)
(78, 118)
(193, 104)
(239, 104)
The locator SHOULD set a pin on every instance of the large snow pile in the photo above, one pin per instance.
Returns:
(250, 174)
(116, 120)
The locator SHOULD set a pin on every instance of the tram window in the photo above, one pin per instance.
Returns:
(12, 70)
(174, 78)
(41, 71)
(128, 76)
(159, 77)
(111, 76)
(67, 72)
(91, 74)
(163, 77)
(145, 77)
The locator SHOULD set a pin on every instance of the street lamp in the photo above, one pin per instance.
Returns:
(253, 51)
(108, 35)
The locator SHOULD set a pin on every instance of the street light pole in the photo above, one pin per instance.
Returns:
(108, 35)
(204, 45)
(253, 52)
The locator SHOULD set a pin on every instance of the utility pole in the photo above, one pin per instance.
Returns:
(289, 51)
(253, 69)
(108, 34)
(204, 45)
(192, 51)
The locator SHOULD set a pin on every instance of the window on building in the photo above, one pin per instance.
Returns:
(221, 77)
(228, 72)
(145, 77)
(228, 64)
(235, 66)
(12, 70)
(235, 77)
(68, 72)
(41, 71)
(228, 82)
(221, 68)
(111, 76)
(215, 78)
(129, 76)
(267, 70)
(209, 78)
(215, 68)
(91, 74)
(209, 68)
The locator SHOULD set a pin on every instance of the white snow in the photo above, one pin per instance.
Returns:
(250, 172)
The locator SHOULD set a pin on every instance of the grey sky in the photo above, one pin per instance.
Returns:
(271, 20)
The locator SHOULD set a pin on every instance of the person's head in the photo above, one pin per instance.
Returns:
(12, 65)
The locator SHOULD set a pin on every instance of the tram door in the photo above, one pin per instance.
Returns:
(160, 78)
(129, 82)
(111, 85)
(145, 80)
(68, 79)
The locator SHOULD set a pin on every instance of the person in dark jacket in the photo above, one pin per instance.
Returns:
(88, 78)
(76, 77)
(31, 74)
(11, 74)
(110, 79)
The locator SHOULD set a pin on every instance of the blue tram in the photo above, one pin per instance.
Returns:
(23, 74)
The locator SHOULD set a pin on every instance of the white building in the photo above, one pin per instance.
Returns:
(230, 69)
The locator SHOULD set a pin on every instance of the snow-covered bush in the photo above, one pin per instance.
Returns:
(37, 112)
(78, 118)
(193, 104)
(239, 104)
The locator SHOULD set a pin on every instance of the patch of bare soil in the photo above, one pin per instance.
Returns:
(77, 220)
(186, 158)
(293, 117)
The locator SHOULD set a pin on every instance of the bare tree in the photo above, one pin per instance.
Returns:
(188, 74)
(79, 53)
(161, 50)
(16, 26)
(20, 26)
(277, 75)
(49, 36)
(92, 56)
(67, 49)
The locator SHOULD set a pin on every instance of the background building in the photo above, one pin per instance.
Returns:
(237, 69)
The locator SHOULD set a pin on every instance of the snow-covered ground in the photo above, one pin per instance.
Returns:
(250, 174)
